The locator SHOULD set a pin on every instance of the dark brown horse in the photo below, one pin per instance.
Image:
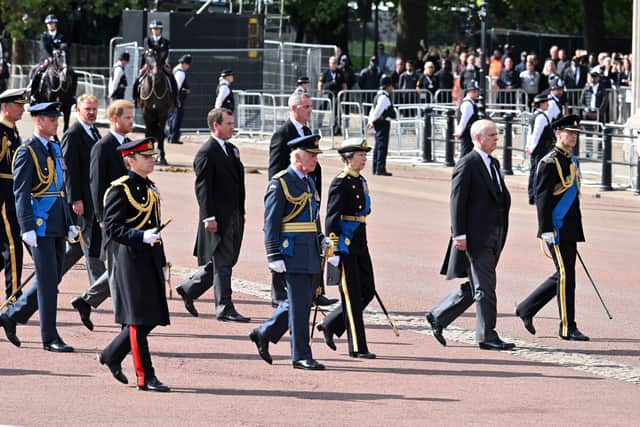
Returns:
(156, 101)
(57, 83)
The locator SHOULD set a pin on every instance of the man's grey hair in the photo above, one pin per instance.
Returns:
(479, 127)
(296, 98)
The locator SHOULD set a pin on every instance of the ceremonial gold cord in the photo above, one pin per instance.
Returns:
(298, 202)
(45, 180)
(565, 184)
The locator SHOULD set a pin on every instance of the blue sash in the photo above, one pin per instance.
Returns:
(563, 206)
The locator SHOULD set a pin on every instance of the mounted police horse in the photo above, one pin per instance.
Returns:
(57, 83)
(156, 100)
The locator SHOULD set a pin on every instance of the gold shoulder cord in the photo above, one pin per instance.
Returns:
(45, 180)
(298, 202)
(565, 184)
(152, 205)
(4, 148)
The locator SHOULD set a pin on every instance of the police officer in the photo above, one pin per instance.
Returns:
(302, 85)
(12, 104)
(118, 85)
(224, 94)
(293, 241)
(467, 113)
(557, 100)
(175, 119)
(379, 119)
(540, 140)
(560, 227)
(50, 40)
(348, 206)
(132, 218)
(45, 222)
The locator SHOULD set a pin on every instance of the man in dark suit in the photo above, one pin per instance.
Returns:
(77, 143)
(300, 110)
(575, 75)
(220, 192)
(480, 205)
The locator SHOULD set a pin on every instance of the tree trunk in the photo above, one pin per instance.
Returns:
(594, 25)
(412, 26)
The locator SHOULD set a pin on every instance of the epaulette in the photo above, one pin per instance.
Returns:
(279, 174)
(342, 174)
(120, 180)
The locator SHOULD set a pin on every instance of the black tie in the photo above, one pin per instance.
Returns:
(95, 133)
(305, 130)
(494, 176)
(126, 139)
(227, 148)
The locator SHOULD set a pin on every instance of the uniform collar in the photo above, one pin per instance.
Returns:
(6, 122)
(351, 172)
(563, 150)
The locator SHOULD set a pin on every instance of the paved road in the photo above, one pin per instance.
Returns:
(218, 378)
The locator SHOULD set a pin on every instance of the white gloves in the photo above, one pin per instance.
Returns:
(326, 243)
(150, 236)
(277, 266)
(30, 238)
(334, 260)
(548, 238)
(72, 233)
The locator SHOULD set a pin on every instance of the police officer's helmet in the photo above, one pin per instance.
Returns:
(385, 81)
(51, 19)
(156, 23)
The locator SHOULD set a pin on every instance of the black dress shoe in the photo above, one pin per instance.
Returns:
(163, 162)
(328, 336)
(308, 364)
(324, 301)
(57, 346)
(233, 316)
(153, 384)
(9, 326)
(528, 323)
(574, 335)
(367, 355)
(188, 302)
(262, 344)
(496, 344)
(85, 311)
(116, 370)
(435, 328)
(175, 142)
(385, 173)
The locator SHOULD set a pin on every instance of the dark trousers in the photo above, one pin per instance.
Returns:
(466, 146)
(175, 123)
(278, 287)
(382, 127)
(10, 247)
(531, 187)
(561, 284)
(356, 290)
(132, 338)
(217, 272)
(293, 314)
(89, 248)
(42, 295)
(482, 271)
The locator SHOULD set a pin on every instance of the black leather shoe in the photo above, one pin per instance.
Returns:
(574, 335)
(262, 344)
(385, 173)
(324, 301)
(233, 316)
(58, 346)
(367, 355)
(188, 302)
(308, 364)
(436, 328)
(153, 384)
(328, 336)
(85, 311)
(496, 344)
(9, 326)
(116, 370)
(175, 142)
(163, 162)
(528, 323)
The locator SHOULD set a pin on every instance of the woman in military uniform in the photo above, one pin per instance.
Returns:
(132, 218)
(347, 209)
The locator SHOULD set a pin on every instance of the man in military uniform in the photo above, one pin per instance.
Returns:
(12, 104)
(118, 85)
(331, 82)
(348, 206)
(560, 227)
(540, 140)
(132, 220)
(379, 119)
(175, 119)
(45, 222)
(224, 94)
(466, 115)
(293, 241)
(302, 85)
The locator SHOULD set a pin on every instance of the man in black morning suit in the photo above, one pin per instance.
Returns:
(220, 192)
(300, 110)
(479, 207)
(77, 143)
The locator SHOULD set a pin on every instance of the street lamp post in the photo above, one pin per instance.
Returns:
(482, 15)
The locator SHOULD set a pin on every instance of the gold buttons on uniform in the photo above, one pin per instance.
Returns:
(39, 222)
(353, 186)
(359, 206)
(285, 243)
(357, 196)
